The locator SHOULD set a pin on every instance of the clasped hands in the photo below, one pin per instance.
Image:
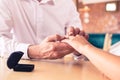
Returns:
(53, 47)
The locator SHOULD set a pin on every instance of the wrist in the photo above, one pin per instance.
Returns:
(86, 49)
(29, 51)
(33, 51)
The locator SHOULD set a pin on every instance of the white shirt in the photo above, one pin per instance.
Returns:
(31, 21)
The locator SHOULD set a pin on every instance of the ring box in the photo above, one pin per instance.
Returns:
(13, 60)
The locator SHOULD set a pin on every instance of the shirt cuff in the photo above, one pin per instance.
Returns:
(23, 47)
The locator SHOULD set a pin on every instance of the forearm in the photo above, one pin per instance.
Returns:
(107, 63)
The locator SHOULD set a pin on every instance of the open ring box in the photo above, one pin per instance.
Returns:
(13, 60)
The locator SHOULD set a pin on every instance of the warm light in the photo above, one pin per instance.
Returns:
(86, 20)
(111, 7)
(86, 17)
(85, 9)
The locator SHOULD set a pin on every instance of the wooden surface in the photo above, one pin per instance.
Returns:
(52, 70)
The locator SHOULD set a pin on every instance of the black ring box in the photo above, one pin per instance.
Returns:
(13, 60)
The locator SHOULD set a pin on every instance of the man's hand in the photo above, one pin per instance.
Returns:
(50, 48)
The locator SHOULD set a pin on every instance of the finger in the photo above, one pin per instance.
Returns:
(54, 38)
(70, 31)
(77, 31)
(82, 33)
(56, 56)
(68, 39)
(86, 36)
(65, 40)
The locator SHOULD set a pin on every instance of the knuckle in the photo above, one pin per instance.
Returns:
(53, 48)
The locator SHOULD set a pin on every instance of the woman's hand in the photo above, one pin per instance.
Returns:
(77, 42)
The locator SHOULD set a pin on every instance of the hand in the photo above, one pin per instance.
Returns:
(71, 31)
(50, 48)
(77, 42)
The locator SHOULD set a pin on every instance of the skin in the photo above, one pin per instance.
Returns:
(73, 32)
(52, 47)
(107, 63)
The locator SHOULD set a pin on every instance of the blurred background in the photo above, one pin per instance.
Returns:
(99, 16)
(101, 20)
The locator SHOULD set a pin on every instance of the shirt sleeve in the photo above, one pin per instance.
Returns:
(7, 43)
(74, 19)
